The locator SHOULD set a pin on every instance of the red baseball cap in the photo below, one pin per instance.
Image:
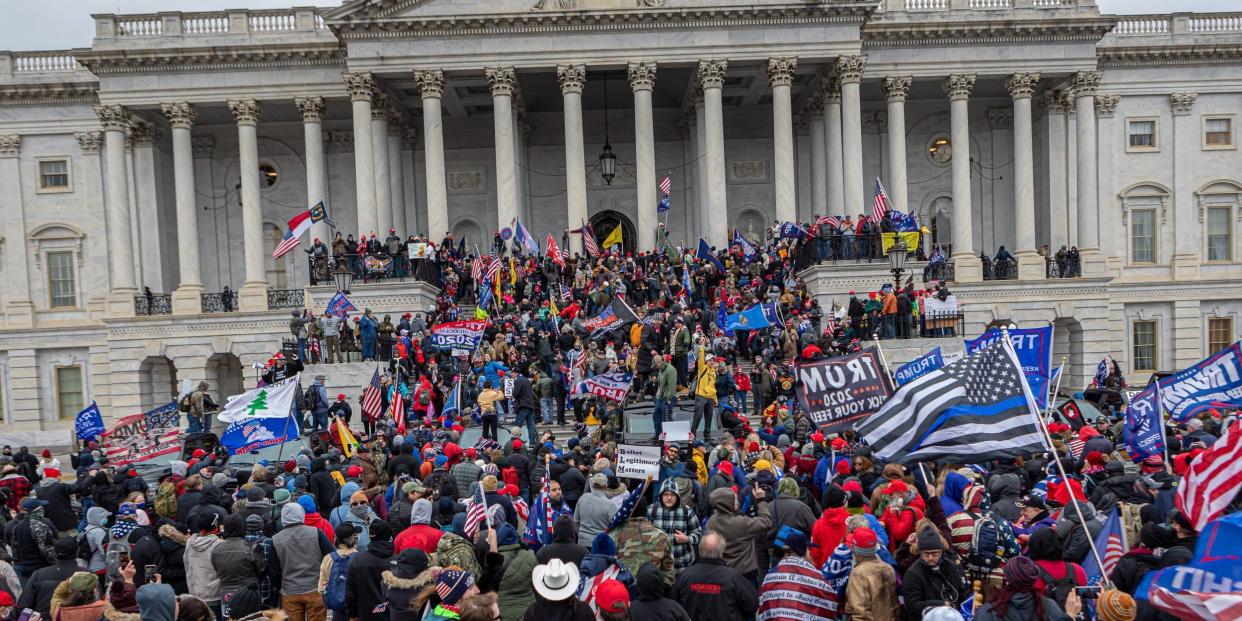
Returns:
(353, 471)
(863, 540)
(612, 596)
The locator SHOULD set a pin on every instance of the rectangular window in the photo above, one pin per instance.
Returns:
(1142, 135)
(69, 396)
(1220, 334)
(54, 175)
(1143, 339)
(61, 290)
(1218, 132)
(1143, 236)
(1219, 234)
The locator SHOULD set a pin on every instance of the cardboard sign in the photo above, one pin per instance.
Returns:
(638, 462)
(836, 392)
(677, 431)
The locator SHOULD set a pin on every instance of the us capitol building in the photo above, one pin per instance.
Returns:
(170, 154)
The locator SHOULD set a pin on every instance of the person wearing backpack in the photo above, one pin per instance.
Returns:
(1056, 577)
(93, 539)
(237, 563)
(984, 539)
(335, 568)
(932, 580)
(317, 397)
(301, 549)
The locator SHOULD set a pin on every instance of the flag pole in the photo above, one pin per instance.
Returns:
(1050, 398)
(883, 361)
(1056, 457)
(1168, 459)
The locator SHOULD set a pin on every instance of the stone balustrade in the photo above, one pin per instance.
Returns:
(1176, 25)
(921, 8)
(120, 29)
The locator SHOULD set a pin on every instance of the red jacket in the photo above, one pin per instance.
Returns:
(828, 533)
(420, 536)
(316, 520)
(899, 523)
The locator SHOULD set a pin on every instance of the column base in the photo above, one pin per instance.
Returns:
(1031, 266)
(967, 268)
(20, 314)
(1185, 267)
(187, 300)
(121, 303)
(252, 297)
(1094, 265)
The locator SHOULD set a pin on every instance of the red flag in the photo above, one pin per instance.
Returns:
(1202, 495)
(555, 252)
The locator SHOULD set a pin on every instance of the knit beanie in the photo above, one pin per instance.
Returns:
(452, 584)
(1021, 572)
(1114, 605)
(603, 544)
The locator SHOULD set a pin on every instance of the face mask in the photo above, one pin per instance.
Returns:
(359, 511)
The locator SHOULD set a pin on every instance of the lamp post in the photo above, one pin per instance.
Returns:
(897, 260)
(344, 277)
(607, 159)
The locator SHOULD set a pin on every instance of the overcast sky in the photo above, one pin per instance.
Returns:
(63, 24)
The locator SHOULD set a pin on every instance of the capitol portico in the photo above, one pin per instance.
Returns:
(171, 153)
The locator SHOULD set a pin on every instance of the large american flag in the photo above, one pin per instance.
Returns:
(493, 268)
(666, 186)
(476, 269)
(588, 240)
(372, 398)
(879, 204)
(1200, 495)
(476, 512)
(979, 407)
(832, 222)
(285, 246)
(1111, 548)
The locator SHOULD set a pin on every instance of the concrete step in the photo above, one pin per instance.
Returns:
(345, 377)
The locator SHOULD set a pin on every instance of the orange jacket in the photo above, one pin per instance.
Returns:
(890, 305)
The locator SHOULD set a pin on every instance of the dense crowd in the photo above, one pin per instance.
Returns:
(759, 516)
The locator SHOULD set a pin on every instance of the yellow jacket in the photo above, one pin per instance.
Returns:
(706, 384)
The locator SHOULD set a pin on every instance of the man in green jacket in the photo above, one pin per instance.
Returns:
(666, 393)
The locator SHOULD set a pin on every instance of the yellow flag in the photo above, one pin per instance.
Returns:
(613, 239)
(349, 444)
(512, 273)
(552, 307)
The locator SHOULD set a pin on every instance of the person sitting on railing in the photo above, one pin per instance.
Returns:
(987, 265)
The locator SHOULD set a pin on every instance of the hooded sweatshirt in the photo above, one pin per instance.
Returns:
(739, 531)
(301, 549)
(200, 574)
(97, 534)
(652, 603)
(156, 602)
(420, 534)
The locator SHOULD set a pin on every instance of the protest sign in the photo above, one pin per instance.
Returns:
(140, 437)
(836, 392)
(638, 462)
(458, 334)
(417, 250)
(677, 431)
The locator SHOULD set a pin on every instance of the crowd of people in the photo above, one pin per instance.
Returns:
(759, 516)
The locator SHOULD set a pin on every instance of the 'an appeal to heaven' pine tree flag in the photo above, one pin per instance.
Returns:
(274, 401)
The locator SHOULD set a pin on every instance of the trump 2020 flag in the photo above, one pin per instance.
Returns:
(1207, 588)
(1216, 382)
(791, 230)
(340, 305)
(452, 402)
(748, 249)
(1033, 347)
(919, 367)
(274, 401)
(245, 436)
(610, 386)
(977, 409)
(89, 423)
(1143, 431)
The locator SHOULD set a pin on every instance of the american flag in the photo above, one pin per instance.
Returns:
(1110, 546)
(627, 506)
(539, 526)
(831, 222)
(666, 186)
(1199, 496)
(476, 512)
(372, 397)
(879, 205)
(980, 406)
(286, 246)
(588, 240)
(476, 269)
(493, 268)
(589, 587)
(398, 408)
(567, 294)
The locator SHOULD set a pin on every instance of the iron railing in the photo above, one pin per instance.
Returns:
(285, 298)
(1000, 269)
(374, 267)
(223, 302)
(1063, 267)
(939, 270)
(928, 326)
(154, 304)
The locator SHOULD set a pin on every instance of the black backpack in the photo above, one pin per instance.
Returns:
(1058, 590)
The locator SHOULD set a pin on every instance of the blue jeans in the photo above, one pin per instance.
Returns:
(527, 415)
(320, 420)
(741, 400)
(548, 407)
(302, 350)
(657, 415)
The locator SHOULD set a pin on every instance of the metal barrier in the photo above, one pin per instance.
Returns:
(1065, 267)
(939, 270)
(285, 298)
(219, 302)
(155, 304)
(1002, 269)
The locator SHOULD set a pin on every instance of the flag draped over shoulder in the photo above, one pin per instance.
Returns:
(979, 408)
(796, 591)
(627, 506)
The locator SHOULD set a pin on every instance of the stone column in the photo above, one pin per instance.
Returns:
(1188, 240)
(148, 241)
(312, 134)
(1071, 167)
(409, 165)
(20, 309)
(642, 77)
(361, 87)
(1054, 126)
(503, 81)
(814, 115)
(1106, 130)
(780, 74)
(958, 86)
(187, 299)
(896, 89)
(849, 73)
(396, 174)
(573, 79)
(1021, 87)
(1085, 84)
(253, 294)
(831, 90)
(432, 85)
(716, 225)
(379, 158)
(701, 177)
(115, 120)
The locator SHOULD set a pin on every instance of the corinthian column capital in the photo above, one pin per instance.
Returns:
(431, 83)
(712, 73)
(959, 85)
(850, 68)
(897, 87)
(571, 77)
(502, 79)
(781, 70)
(311, 108)
(360, 85)
(180, 114)
(245, 111)
(641, 74)
(113, 117)
(1022, 85)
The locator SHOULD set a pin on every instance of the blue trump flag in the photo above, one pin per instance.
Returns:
(791, 230)
(748, 249)
(752, 318)
(339, 305)
(245, 436)
(1208, 583)
(772, 313)
(89, 423)
(452, 402)
(920, 366)
(705, 253)
(1034, 349)
(1216, 382)
(1143, 431)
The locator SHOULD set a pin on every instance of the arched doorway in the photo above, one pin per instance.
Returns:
(1067, 343)
(603, 224)
(751, 224)
(157, 382)
(470, 231)
(224, 376)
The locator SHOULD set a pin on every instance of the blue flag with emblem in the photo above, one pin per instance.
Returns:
(752, 318)
(252, 434)
(339, 305)
(748, 249)
(627, 506)
(89, 423)
(319, 213)
(705, 253)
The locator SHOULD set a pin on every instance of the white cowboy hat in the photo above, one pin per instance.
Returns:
(555, 581)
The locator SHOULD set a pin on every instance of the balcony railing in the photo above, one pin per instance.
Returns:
(1063, 267)
(214, 23)
(374, 267)
(1000, 269)
(154, 304)
(939, 270)
(929, 326)
(285, 298)
(219, 302)
(1160, 25)
(45, 62)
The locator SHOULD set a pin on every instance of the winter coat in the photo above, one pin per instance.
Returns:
(828, 533)
(652, 602)
(1022, 608)
(515, 592)
(39, 587)
(593, 513)
(201, 578)
(871, 593)
(401, 594)
(237, 564)
(1005, 490)
(464, 474)
(739, 531)
(364, 588)
(710, 589)
(924, 587)
(1075, 540)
